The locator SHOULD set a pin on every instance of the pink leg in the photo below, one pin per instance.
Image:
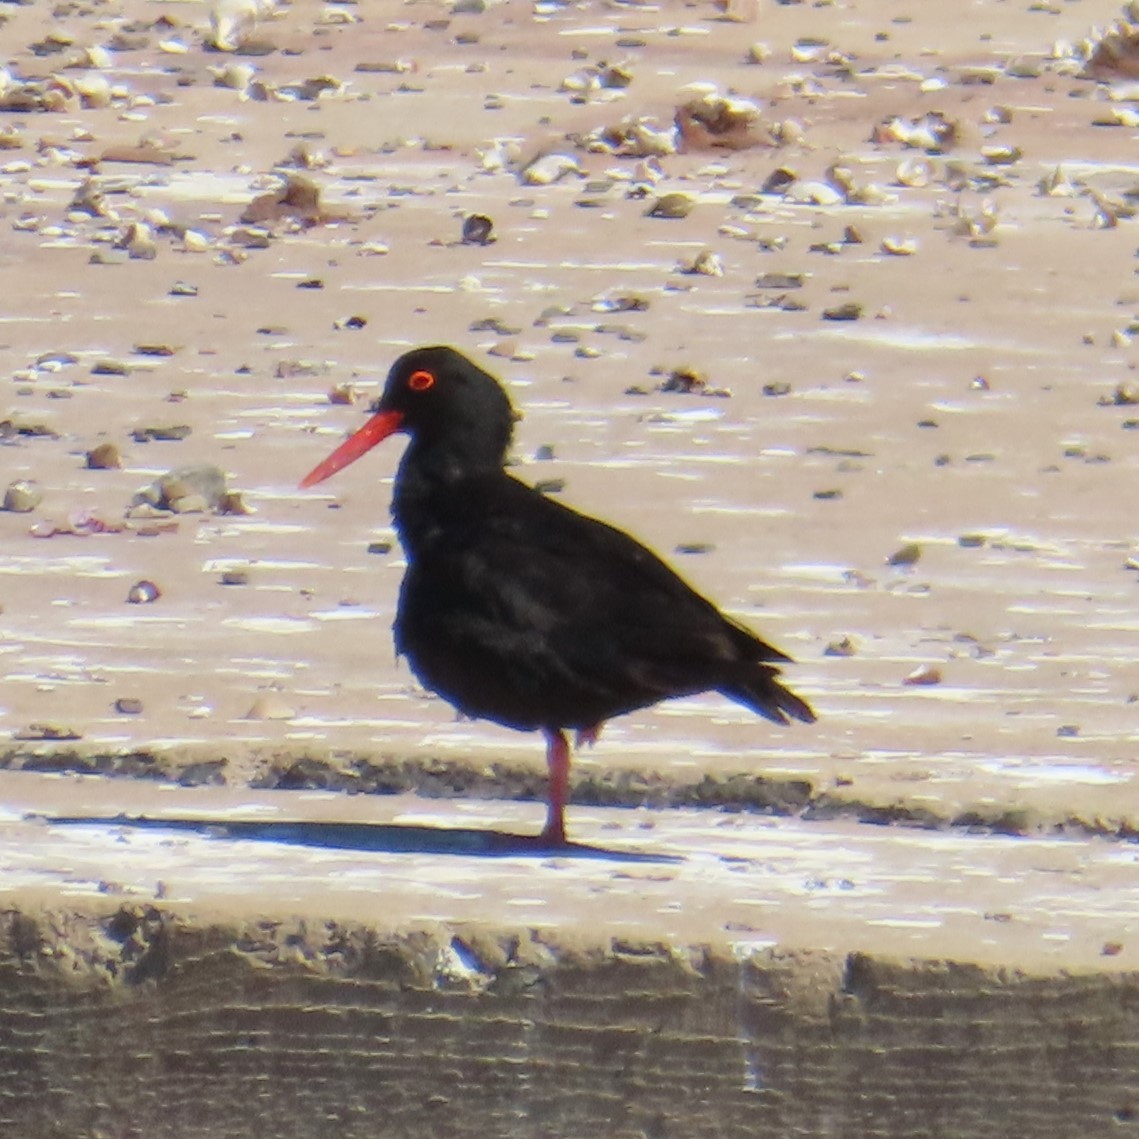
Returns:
(558, 761)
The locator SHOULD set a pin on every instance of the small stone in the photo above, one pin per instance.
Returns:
(906, 555)
(847, 311)
(844, 647)
(233, 502)
(694, 548)
(970, 541)
(104, 457)
(777, 388)
(128, 706)
(899, 246)
(22, 496)
(705, 263)
(1125, 395)
(110, 368)
(143, 593)
(780, 281)
(620, 302)
(478, 229)
(382, 546)
(684, 379)
(924, 675)
(44, 731)
(235, 577)
(182, 289)
(174, 433)
(343, 394)
(496, 324)
(270, 706)
(550, 168)
(674, 205)
(205, 481)
(294, 369)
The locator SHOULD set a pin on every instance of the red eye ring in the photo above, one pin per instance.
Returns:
(420, 381)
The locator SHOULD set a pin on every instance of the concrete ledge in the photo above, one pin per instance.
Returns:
(138, 1021)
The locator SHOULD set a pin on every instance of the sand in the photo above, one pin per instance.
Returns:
(929, 504)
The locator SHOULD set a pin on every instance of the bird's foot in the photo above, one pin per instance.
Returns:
(587, 736)
(553, 834)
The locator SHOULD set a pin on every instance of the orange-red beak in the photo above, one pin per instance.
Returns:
(376, 430)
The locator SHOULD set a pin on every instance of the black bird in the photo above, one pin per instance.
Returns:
(517, 609)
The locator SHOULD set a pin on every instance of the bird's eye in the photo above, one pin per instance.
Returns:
(420, 381)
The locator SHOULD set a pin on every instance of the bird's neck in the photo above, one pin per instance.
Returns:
(433, 489)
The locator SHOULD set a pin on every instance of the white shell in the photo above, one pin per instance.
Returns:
(899, 246)
(914, 172)
(813, 194)
(549, 168)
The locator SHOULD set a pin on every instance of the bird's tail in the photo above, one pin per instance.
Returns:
(759, 689)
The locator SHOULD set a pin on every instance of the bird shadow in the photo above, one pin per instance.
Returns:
(385, 838)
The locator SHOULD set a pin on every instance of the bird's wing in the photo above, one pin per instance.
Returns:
(573, 589)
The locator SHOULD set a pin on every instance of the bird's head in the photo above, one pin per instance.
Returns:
(445, 402)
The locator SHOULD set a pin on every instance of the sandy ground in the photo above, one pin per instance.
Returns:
(979, 409)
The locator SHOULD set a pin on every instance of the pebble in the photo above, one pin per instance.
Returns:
(1124, 395)
(847, 311)
(270, 706)
(906, 555)
(478, 229)
(110, 368)
(899, 246)
(550, 168)
(844, 647)
(780, 280)
(173, 433)
(42, 731)
(128, 706)
(343, 394)
(143, 593)
(813, 194)
(924, 675)
(705, 263)
(22, 496)
(205, 484)
(673, 205)
(685, 379)
(104, 457)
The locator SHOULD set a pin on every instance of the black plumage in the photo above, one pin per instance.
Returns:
(518, 609)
